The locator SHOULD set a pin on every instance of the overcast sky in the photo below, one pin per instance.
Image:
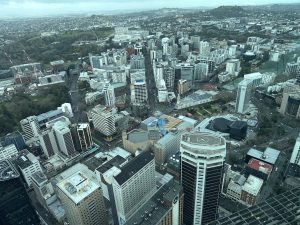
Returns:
(35, 8)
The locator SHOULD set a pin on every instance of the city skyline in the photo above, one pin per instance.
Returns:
(41, 8)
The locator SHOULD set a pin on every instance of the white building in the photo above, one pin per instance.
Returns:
(139, 93)
(8, 151)
(232, 51)
(204, 48)
(256, 78)
(243, 96)
(295, 158)
(28, 165)
(165, 45)
(47, 142)
(109, 94)
(104, 120)
(64, 138)
(30, 127)
(134, 185)
(202, 159)
(233, 67)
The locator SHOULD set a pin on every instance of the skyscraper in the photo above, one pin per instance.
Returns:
(64, 138)
(82, 200)
(243, 96)
(104, 120)
(48, 142)
(295, 158)
(85, 136)
(109, 94)
(202, 159)
(15, 207)
(30, 127)
(133, 185)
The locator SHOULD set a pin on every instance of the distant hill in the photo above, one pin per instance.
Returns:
(228, 11)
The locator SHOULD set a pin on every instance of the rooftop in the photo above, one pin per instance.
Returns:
(138, 136)
(270, 155)
(133, 166)
(260, 166)
(25, 159)
(253, 185)
(156, 208)
(203, 139)
(77, 187)
(39, 177)
(116, 161)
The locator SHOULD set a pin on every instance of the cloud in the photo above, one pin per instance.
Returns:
(20, 8)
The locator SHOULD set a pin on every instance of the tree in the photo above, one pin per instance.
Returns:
(232, 159)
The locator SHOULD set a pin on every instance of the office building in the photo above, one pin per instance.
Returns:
(137, 62)
(290, 104)
(292, 69)
(97, 61)
(295, 158)
(139, 93)
(136, 141)
(204, 49)
(133, 185)
(187, 73)
(15, 206)
(28, 165)
(8, 151)
(15, 138)
(251, 190)
(26, 73)
(200, 72)
(196, 42)
(243, 96)
(82, 200)
(104, 120)
(256, 79)
(182, 87)
(165, 207)
(270, 155)
(233, 67)
(109, 94)
(202, 160)
(235, 186)
(43, 189)
(169, 77)
(64, 138)
(30, 127)
(232, 51)
(84, 136)
(278, 210)
(47, 141)
(165, 45)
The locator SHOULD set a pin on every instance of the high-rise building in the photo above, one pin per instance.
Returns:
(200, 72)
(82, 200)
(104, 120)
(15, 206)
(233, 67)
(139, 93)
(295, 158)
(290, 104)
(137, 62)
(169, 77)
(164, 207)
(133, 185)
(85, 136)
(187, 73)
(204, 48)
(8, 151)
(165, 45)
(48, 143)
(243, 96)
(28, 165)
(202, 159)
(30, 127)
(64, 138)
(109, 94)
(196, 42)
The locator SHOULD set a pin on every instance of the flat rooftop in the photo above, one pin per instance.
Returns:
(77, 187)
(133, 166)
(203, 139)
(270, 155)
(138, 136)
(156, 208)
(260, 166)
(116, 161)
(253, 185)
